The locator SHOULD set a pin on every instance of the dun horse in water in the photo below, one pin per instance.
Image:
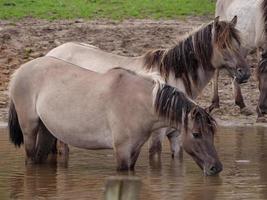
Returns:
(188, 66)
(252, 25)
(117, 109)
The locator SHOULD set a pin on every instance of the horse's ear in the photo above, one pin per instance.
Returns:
(216, 21)
(234, 21)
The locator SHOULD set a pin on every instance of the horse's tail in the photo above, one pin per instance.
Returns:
(15, 133)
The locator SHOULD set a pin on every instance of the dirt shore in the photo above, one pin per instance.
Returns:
(27, 39)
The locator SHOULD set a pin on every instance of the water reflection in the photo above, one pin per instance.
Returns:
(243, 152)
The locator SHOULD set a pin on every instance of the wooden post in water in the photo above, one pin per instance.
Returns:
(122, 188)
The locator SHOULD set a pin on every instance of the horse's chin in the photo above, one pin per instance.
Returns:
(241, 81)
(198, 161)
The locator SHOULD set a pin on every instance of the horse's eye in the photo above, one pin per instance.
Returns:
(197, 135)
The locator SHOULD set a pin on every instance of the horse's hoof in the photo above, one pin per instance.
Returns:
(62, 149)
(213, 108)
(177, 154)
(246, 111)
(261, 120)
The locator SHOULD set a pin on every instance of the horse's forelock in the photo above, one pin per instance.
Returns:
(204, 119)
(226, 35)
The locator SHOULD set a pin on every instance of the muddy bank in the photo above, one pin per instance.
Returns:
(30, 38)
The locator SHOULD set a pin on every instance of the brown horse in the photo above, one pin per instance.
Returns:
(115, 110)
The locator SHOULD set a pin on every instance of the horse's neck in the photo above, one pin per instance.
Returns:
(204, 78)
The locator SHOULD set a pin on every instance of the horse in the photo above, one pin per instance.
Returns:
(188, 66)
(261, 74)
(118, 109)
(252, 25)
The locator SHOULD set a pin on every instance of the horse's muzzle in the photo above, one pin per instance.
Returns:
(213, 169)
(242, 76)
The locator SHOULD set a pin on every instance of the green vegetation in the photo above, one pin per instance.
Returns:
(109, 9)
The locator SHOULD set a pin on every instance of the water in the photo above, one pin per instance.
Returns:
(243, 151)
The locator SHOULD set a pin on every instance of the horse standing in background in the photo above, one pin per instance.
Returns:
(252, 25)
(116, 110)
(188, 66)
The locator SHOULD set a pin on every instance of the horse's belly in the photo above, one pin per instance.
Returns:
(84, 132)
(100, 138)
(92, 141)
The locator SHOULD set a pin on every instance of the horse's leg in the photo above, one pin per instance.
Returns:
(215, 102)
(123, 156)
(45, 142)
(127, 148)
(29, 138)
(239, 101)
(29, 124)
(62, 148)
(155, 146)
(176, 149)
(134, 155)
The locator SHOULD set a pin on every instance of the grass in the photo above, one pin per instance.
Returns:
(108, 9)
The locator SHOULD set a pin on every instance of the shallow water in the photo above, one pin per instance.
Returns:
(243, 152)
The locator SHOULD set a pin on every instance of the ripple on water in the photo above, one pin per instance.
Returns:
(243, 152)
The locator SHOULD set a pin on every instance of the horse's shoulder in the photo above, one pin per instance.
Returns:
(126, 79)
(118, 74)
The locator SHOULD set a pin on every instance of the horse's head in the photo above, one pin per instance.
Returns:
(198, 141)
(227, 50)
(198, 126)
(262, 77)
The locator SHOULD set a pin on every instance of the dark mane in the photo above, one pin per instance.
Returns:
(262, 66)
(264, 10)
(195, 51)
(174, 106)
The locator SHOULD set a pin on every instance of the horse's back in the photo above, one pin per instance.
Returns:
(88, 57)
(249, 18)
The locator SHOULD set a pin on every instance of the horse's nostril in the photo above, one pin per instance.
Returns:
(239, 70)
(213, 169)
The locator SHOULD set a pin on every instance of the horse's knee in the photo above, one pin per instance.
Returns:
(123, 157)
(62, 148)
(177, 153)
(155, 148)
(175, 146)
(123, 163)
(29, 144)
(45, 142)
